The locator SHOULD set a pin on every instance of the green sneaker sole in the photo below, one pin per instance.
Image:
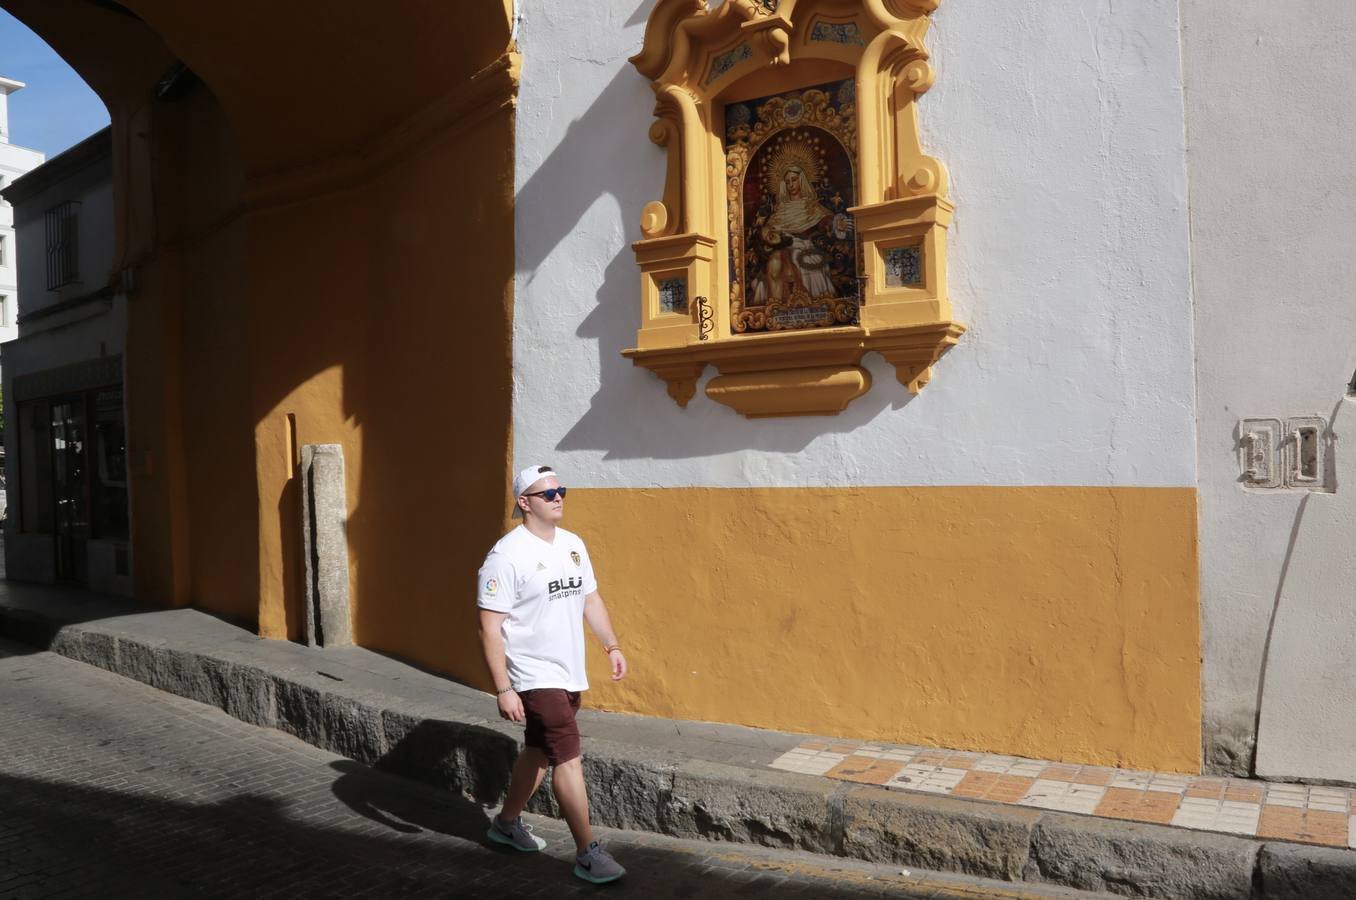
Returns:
(583, 873)
(495, 834)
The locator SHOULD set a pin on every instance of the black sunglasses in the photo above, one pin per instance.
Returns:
(549, 495)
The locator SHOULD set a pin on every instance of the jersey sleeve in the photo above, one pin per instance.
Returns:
(494, 585)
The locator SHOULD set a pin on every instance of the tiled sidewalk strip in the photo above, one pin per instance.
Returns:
(404, 725)
(1289, 812)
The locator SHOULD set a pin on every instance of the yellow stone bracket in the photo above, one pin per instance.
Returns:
(699, 60)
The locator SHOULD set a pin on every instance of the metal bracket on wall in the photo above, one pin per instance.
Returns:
(1284, 455)
(1258, 447)
(1305, 459)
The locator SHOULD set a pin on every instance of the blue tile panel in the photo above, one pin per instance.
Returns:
(673, 295)
(728, 60)
(903, 266)
(838, 33)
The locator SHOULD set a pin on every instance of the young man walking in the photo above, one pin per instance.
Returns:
(535, 590)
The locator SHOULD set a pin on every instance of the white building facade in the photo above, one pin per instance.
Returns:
(1150, 247)
(1273, 204)
(15, 161)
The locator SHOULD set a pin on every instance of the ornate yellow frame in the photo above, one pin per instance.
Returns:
(697, 61)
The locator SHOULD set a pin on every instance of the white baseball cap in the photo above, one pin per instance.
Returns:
(524, 480)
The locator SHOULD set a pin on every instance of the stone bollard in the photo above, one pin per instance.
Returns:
(324, 518)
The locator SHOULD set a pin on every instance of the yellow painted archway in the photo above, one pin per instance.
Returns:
(317, 219)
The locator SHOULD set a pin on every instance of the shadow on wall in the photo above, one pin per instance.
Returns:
(606, 153)
(1302, 611)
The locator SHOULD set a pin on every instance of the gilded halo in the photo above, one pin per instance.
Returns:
(795, 154)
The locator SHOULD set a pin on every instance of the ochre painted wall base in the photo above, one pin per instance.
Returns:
(1050, 622)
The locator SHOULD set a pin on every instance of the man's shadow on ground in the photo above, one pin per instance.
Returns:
(470, 763)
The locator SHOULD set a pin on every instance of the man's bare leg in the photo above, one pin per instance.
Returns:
(568, 782)
(528, 771)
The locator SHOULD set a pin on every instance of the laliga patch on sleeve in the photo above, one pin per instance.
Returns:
(492, 587)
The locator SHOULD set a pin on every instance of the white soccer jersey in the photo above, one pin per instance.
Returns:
(542, 588)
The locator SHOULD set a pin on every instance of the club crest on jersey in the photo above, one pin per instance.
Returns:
(574, 555)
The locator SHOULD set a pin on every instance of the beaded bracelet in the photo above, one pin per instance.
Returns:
(612, 647)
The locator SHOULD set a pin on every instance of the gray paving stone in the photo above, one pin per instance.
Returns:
(688, 779)
(113, 789)
(938, 833)
(1141, 860)
(768, 807)
(1297, 872)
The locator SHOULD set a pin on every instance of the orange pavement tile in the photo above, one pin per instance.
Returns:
(1093, 776)
(1060, 773)
(1281, 815)
(1303, 824)
(1312, 826)
(865, 770)
(1139, 806)
(992, 786)
(975, 784)
(1010, 788)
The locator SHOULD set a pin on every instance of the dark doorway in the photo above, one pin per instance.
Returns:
(70, 488)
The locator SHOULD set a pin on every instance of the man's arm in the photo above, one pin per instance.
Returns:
(492, 642)
(595, 613)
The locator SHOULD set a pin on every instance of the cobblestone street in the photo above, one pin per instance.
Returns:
(109, 788)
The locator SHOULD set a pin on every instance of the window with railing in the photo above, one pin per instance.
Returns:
(63, 244)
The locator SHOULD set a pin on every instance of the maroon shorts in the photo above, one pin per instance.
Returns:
(550, 723)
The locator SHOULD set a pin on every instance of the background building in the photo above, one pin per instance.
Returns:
(14, 162)
(64, 425)
(1097, 535)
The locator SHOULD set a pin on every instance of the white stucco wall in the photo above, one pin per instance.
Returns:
(1305, 726)
(1061, 123)
(15, 161)
(1273, 199)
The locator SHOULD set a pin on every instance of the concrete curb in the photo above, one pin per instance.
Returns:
(682, 797)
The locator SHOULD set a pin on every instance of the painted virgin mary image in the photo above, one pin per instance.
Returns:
(790, 187)
(795, 263)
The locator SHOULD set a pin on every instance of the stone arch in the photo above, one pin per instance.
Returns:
(320, 236)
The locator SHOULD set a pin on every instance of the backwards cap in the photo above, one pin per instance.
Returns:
(524, 480)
